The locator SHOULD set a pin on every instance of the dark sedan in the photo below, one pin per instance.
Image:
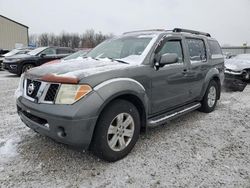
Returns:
(18, 64)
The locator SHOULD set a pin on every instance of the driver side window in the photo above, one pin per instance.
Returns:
(49, 51)
(172, 47)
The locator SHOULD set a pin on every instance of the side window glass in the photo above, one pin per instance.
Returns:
(172, 47)
(49, 51)
(215, 49)
(63, 51)
(197, 50)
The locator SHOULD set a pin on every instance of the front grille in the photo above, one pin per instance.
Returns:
(52, 91)
(40, 92)
(32, 87)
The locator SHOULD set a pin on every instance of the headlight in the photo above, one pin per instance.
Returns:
(70, 93)
(19, 90)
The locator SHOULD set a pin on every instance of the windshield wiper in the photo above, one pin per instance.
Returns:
(118, 60)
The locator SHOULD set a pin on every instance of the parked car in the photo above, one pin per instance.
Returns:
(77, 55)
(14, 52)
(3, 51)
(237, 72)
(123, 85)
(19, 64)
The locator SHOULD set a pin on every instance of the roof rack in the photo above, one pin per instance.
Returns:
(147, 30)
(178, 30)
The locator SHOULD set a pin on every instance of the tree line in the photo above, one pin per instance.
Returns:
(88, 39)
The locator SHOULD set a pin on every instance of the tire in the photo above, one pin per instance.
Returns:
(26, 67)
(210, 98)
(110, 142)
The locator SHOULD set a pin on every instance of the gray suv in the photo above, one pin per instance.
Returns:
(103, 101)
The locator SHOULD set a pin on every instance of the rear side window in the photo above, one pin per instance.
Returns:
(63, 51)
(215, 49)
(172, 47)
(197, 50)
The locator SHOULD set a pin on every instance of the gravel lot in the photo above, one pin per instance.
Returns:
(196, 150)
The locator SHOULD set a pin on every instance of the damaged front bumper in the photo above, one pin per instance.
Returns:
(236, 81)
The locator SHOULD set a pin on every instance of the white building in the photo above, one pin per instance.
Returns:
(12, 34)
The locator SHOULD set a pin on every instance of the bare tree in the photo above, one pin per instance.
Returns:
(75, 41)
(88, 39)
(43, 39)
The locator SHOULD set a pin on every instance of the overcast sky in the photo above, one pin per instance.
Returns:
(227, 20)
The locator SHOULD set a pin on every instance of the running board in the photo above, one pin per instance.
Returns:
(173, 114)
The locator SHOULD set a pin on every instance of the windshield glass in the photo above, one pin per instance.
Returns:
(131, 48)
(75, 55)
(37, 51)
(12, 52)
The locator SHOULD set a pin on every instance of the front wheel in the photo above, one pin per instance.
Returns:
(117, 131)
(210, 98)
(26, 67)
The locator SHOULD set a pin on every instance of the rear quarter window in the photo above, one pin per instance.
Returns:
(197, 50)
(63, 51)
(215, 49)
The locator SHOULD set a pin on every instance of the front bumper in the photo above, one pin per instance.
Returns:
(235, 82)
(11, 67)
(68, 124)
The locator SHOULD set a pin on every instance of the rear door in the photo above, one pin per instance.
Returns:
(198, 65)
(169, 86)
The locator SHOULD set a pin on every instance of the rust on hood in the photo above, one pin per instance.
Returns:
(59, 79)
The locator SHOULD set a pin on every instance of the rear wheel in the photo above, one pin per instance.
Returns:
(117, 131)
(210, 98)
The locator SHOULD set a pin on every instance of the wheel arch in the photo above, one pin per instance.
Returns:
(130, 97)
(26, 63)
(126, 89)
(213, 74)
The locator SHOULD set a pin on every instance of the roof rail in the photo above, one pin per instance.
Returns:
(143, 31)
(178, 30)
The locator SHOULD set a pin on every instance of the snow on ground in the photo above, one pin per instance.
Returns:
(196, 150)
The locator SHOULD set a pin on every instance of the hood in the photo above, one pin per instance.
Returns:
(76, 69)
(237, 64)
(19, 56)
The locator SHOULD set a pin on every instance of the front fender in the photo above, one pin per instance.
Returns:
(113, 88)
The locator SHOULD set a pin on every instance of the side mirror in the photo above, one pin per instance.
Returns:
(166, 59)
(42, 55)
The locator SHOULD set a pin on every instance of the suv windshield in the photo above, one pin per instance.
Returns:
(12, 52)
(132, 48)
(75, 55)
(37, 50)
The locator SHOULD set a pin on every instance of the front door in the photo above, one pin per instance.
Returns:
(170, 87)
(47, 55)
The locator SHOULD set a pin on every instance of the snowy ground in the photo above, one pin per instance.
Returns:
(197, 150)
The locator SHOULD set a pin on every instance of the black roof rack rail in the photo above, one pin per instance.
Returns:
(147, 30)
(178, 30)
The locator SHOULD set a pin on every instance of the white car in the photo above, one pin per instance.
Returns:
(237, 72)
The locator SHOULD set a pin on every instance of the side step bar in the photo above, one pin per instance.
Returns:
(173, 114)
